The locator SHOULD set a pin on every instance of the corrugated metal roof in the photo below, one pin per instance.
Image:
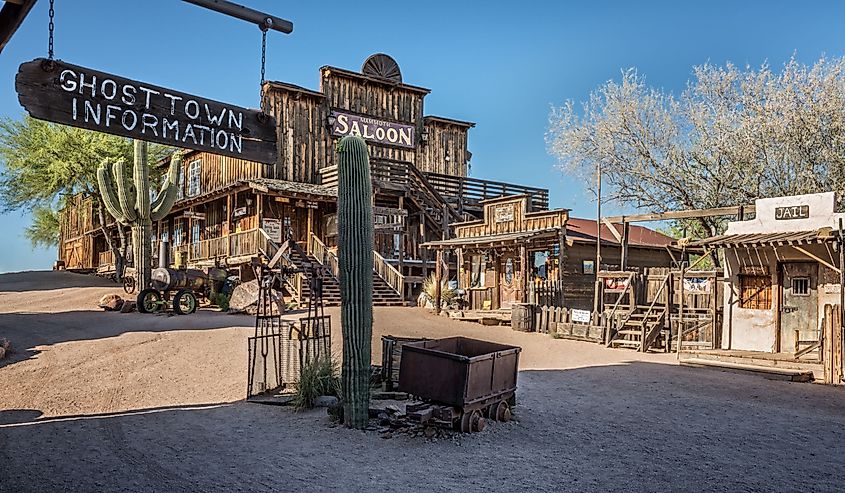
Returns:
(584, 230)
(769, 239)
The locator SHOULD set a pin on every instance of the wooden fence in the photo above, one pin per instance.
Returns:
(558, 321)
(546, 293)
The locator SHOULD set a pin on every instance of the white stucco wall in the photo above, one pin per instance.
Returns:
(756, 330)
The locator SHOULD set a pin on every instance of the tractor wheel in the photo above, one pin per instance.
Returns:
(129, 284)
(149, 301)
(185, 302)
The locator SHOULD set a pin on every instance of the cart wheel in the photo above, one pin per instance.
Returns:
(477, 421)
(466, 422)
(503, 412)
(149, 301)
(129, 284)
(185, 302)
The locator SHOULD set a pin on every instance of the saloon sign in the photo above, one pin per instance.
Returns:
(370, 129)
(71, 95)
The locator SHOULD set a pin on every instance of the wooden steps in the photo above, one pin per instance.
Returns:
(769, 372)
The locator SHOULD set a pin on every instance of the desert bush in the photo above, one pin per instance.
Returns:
(221, 300)
(447, 294)
(318, 377)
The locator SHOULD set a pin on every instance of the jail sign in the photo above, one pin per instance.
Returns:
(792, 212)
(81, 97)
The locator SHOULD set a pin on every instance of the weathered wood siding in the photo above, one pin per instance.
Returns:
(305, 143)
(519, 220)
(77, 223)
(217, 171)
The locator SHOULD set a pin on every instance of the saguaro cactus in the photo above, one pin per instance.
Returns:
(127, 199)
(355, 255)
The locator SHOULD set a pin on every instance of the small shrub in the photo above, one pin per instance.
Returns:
(446, 292)
(221, 300)
(318, 377)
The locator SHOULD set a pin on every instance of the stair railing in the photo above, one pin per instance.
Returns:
(649, 335)
(612, 329)
(390, 274)
(323, 255)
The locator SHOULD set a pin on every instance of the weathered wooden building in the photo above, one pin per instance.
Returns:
(511, 250)
(230, 210)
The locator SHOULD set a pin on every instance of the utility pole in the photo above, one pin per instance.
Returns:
(597, 267)
(262, 20)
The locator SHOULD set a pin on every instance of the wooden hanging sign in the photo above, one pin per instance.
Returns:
(81, 97)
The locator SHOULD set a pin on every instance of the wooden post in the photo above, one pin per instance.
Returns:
(496, 301)
(445, 222)
(228, 224)
(840, 354)
(561, 253)
(526, 273)
(423, 252)
(402, 239)
(680, 309)
(626, 228)
(309, 229)
(438, 277)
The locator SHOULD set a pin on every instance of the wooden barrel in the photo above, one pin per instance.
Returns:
(522, 317)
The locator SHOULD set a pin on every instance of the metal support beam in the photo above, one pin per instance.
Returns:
(260, 19)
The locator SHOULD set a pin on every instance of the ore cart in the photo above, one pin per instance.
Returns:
(460, 381)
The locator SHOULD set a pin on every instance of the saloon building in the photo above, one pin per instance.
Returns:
(230, 210)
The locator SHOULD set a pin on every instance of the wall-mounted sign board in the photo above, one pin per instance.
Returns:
(273, 228)
(81, 97)
(792, 212)
(373, 130)
(194, 215)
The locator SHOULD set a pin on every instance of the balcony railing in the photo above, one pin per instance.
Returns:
(463, 191)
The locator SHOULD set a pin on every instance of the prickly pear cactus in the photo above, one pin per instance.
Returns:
(127, 199)
(355, 254)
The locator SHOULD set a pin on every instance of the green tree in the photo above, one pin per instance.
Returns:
(735, 134)
(42, 162)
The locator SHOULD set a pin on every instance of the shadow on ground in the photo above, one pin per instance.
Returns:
(632, 427)
(49, 280)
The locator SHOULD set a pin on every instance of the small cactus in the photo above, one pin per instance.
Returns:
(127, 199)
(355, 255)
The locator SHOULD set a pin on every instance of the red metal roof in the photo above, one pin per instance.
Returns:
(579, 229)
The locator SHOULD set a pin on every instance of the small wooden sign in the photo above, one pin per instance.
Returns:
(194, 215)
(81, 97)
(581, 316)
(504, 213)
(239, 211)
(273, 228)
(792, 212)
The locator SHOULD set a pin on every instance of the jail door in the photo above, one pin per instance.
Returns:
(799, 309)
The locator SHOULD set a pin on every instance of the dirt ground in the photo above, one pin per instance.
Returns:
(94, 401)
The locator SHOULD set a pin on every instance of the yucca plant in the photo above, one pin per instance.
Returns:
(447, 294)
(318, 377)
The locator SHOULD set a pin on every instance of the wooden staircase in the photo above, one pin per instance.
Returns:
(642, 329)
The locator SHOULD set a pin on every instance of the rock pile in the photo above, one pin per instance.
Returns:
(5, 347)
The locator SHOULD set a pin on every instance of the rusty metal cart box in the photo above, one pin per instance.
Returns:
(459, 371)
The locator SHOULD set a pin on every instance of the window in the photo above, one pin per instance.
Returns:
(180, 194)
(509, 271)
(755, 292)
(178, 232)
(195, 232)
(589, 266)
(801, 286)
(194, 178)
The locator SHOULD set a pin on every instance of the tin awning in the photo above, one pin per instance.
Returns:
(769, 239)
(489, 241)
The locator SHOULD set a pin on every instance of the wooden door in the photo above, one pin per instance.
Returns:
(509, 282)
(799, 308)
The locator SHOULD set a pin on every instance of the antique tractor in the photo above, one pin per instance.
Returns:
(180, 288)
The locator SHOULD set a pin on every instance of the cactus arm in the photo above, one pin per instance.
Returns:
(167, 196)
(141, 177)
(125, 190)
(110, 200)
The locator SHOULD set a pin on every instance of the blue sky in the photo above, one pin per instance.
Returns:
(500, 64)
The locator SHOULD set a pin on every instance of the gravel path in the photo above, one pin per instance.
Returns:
(95, 401)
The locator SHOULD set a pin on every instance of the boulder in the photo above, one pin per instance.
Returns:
(2, 353)
(111, 303)
(245, 299)
(128, 306)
